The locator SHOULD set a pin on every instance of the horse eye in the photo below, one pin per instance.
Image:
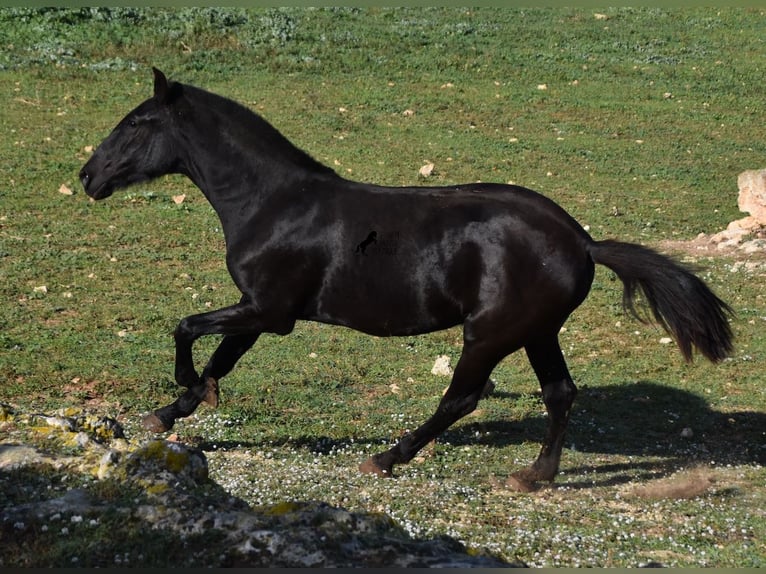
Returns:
(132, 123)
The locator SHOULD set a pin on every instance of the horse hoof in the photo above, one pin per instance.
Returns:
(520, 484)
(211, 392)
(369, 466)
(153, 423)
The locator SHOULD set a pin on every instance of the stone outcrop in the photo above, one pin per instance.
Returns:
(752, 194)
(749, 233)
(164, 487)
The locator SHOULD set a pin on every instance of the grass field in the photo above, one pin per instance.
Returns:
(637, 121)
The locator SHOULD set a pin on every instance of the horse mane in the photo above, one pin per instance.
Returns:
(250, 130)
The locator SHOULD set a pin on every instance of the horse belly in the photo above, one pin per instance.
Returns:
(388, 300)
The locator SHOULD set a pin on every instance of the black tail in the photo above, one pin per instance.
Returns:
(680, 301)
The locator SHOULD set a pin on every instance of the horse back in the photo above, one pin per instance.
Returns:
(427, 258)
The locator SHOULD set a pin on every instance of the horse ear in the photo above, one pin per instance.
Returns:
(161, 88)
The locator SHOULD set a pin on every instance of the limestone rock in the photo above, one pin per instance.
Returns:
(752, 200)
(752, 194)
(165, 461)
(99, 477)
(442, 367)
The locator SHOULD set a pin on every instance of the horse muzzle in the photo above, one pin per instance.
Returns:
(95, 191)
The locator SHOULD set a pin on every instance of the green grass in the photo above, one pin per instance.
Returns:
(648, 117)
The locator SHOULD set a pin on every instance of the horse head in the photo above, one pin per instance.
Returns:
(141, 146)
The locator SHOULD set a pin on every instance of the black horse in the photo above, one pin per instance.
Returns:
(505, 262)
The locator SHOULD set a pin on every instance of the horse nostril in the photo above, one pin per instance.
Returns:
(84, 178)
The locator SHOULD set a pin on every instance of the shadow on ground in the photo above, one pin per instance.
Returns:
(642, 419)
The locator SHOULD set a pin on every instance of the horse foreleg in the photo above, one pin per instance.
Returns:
(222, 361)
(163, 419)
(462, 396)
(239, 324)
(558, 395)
(185, 373)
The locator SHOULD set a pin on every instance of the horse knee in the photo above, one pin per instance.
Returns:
(183, 331)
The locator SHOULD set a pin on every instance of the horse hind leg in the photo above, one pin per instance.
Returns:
(559, 393)
(468, 383)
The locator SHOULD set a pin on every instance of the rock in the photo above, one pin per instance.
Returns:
(426, 170)
(729, 237)
(441, 367)
(165, 461)
(752, 200)
(752, 194)
(75, 502)
(315, 534)
(753, 246)
(88, 473)
(735, 232)
(17, 455)
(747, 224)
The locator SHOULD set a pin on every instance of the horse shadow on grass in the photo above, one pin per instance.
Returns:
(665, 428)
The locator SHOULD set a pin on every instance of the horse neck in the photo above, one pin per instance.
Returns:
(239, 177)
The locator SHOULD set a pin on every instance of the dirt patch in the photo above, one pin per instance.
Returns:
(687, 484)
(749, 248)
